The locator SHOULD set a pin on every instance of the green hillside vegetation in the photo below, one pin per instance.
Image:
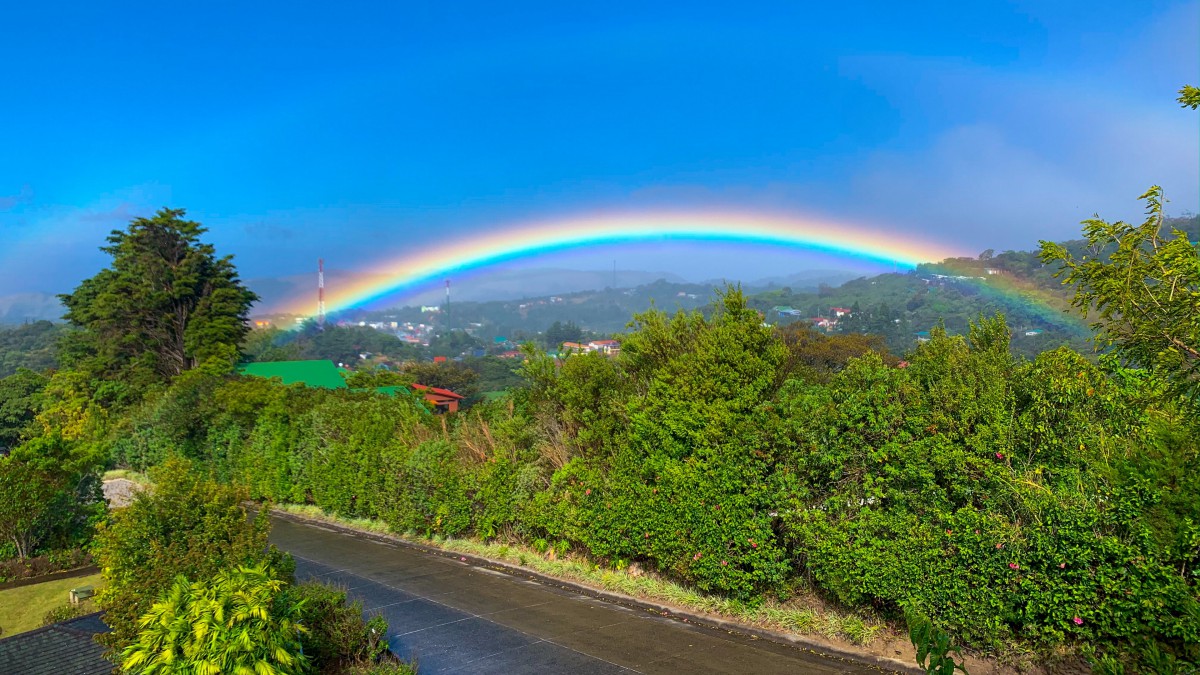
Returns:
(32, 346)
(1042, 505)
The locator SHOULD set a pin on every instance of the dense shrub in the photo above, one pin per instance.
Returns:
(337, 639)
(1050, 502)
(185, 526)
(237, 621)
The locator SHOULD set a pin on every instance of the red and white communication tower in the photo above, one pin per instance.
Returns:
(321, 292)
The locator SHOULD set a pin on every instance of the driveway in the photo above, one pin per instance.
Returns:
(453, 617)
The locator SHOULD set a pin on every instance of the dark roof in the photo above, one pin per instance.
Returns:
(65, 648)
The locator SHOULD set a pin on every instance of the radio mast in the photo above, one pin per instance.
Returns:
(321, 293)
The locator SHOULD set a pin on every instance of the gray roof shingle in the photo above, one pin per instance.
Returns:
(65, 648)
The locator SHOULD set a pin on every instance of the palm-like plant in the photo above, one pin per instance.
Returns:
(234, 624)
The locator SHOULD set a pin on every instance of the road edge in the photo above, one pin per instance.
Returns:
(665, 610)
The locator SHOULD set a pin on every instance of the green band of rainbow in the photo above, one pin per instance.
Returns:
(433, 263)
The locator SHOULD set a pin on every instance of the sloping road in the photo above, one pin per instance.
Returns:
(452, 617)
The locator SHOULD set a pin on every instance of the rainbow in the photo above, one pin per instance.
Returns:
(422, 267)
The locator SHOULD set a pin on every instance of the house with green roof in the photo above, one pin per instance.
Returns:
(318, 373)
(325, 375)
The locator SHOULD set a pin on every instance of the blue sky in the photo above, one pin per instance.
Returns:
(358, 131)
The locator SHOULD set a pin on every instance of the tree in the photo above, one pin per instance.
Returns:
(50, 494)
(186, 525)
(1145, 287)
(165, 305)
(18, 405)
(445, 375)
(560, 332)
(27, 496)
(236, 622)
(1189, 97)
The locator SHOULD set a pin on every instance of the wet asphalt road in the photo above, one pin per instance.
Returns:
(452, 617)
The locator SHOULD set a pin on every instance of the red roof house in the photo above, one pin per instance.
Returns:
(442, 399)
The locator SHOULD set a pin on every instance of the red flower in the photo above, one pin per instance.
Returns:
(587, 491)
(1078, 621)
(647, 535)
(999, 455)
(949, 532)
(1014, 566)
(999, 545)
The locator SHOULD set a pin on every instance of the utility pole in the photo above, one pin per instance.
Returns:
(321, 293)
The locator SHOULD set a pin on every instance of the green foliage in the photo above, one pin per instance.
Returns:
(1145, 290)
(236, 622)
(816, 356)
(377, 377)
(186, 525)
(560, 332)
(933, 647)
(33, 346)
(1189, 97)
(166, 305)
(337, 640)
(68, 611)
(19, 404)
(50, 495)
(451, 375)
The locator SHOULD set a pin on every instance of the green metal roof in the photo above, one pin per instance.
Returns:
(309, 373)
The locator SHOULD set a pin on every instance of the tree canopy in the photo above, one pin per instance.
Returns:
(1144, 285)
(165, 305)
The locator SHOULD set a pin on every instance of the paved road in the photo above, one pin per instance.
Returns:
(457, 618)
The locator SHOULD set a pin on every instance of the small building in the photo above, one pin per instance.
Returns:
(66, 647)
(442, 399)
(839, 312)
(574, 347)
(1034, 332)
(606, 347)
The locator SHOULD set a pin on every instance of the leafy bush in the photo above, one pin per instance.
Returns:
(185, 526)
(337, 640)
(236, 622)
(67, 612)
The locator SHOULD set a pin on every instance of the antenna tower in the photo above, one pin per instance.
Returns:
(321, 293)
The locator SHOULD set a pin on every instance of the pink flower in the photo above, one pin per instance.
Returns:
(1062, 566)
(1078, 621)
(999, 455)
(949, 532)
(1014, 566)
(999, 545)
(587, 491)
(696, 557)
(647, 535)
(724, 563)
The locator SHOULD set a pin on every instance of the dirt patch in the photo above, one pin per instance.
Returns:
(119, 492)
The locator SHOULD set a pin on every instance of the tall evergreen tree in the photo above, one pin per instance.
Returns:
(165, 305)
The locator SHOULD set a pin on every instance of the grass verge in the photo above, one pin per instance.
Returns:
(22, 609)
(789, 617)
(127, 474)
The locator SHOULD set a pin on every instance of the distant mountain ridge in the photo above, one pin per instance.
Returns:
(278, 294)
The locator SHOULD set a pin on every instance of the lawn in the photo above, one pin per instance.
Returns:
(22, 609)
